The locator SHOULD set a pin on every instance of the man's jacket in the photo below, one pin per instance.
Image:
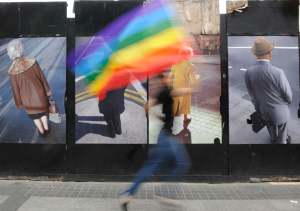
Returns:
(270, 92)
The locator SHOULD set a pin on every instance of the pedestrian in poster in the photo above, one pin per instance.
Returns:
(30, 88)
(270, 91)
(183, 75)
(168, 148)
(112, 106)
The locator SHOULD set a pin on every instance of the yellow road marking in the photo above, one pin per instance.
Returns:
(127, 90)
(284, 183)
(130, 94)
(134, 98)
(82, 98)
(135, 92)
(82, 93)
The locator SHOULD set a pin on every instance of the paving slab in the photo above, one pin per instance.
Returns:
(67, 196)
(3, 198)
(69, 204)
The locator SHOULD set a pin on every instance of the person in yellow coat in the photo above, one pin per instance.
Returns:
(183, 76)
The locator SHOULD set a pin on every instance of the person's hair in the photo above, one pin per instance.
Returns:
(163, 74)
(187, 48)
(14, 49)
(264, 56)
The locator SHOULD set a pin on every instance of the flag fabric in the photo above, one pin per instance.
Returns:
(137, 45)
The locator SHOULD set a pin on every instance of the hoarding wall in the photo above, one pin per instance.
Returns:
(214, 122)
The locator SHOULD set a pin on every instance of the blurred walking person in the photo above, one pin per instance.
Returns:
(168, 148)
(270, 92)
(30, 88)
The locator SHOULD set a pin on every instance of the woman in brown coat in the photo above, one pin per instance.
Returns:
(30, 88)
(184, 76)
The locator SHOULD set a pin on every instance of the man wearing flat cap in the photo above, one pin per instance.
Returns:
(270, 91)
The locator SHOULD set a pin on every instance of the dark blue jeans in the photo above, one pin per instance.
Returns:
(168, 149)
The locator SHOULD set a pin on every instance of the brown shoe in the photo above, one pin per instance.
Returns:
(47, 131)
(42, 134)
(187, 121)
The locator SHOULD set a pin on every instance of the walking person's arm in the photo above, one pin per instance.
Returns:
(194, 78)
(43, 80)
(250, 91)
(150, 103)
(285, 88)
(195, 87)
(16, 92)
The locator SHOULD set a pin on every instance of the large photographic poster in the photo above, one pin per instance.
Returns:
(200, 19)
(284, 64)
(33, 74)
(125, 106)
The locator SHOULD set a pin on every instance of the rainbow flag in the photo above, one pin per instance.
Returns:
(137, 45)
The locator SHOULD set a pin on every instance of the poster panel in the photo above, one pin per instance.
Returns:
(203, 123)
(118, 119)
(33, 74)
(271, 88)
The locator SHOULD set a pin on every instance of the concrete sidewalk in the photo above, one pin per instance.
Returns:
(92, 196)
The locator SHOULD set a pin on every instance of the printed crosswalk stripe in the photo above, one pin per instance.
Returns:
(276, 47)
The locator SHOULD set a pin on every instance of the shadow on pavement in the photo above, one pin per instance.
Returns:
(89, 118)
(83, 128)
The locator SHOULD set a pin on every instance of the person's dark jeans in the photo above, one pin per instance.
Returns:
(168, 149)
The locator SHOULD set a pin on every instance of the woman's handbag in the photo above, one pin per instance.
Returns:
(54, 115)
